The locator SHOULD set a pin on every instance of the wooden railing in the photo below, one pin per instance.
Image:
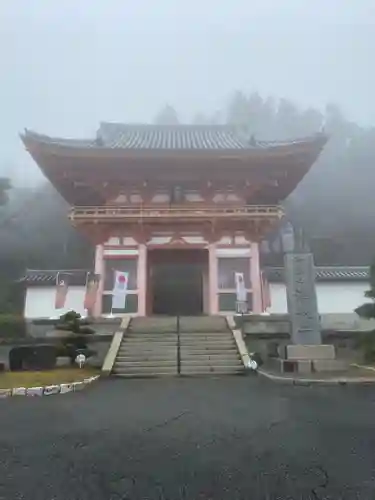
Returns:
(154, 213)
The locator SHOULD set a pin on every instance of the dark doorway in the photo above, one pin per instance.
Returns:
(177, 282)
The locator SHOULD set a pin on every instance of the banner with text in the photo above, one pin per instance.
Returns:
(92, 286)
(62, 287)
(241, 293)
(120, 290)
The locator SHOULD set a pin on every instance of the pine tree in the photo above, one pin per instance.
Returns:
(366, 340)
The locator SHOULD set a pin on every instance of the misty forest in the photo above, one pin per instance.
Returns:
(331, 204)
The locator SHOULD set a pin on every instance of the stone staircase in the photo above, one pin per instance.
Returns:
(148, 349)
(170, 346)
(207, 347)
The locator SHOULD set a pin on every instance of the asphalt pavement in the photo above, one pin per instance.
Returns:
(224, 438)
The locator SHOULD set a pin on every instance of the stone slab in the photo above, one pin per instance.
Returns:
(329, 365)
(310, 352)
(304, 366)
(266, 326)
(282, 365)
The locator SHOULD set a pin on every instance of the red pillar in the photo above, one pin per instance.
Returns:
(213, 279)
(142, 280)
(99, 269)
(256, 278)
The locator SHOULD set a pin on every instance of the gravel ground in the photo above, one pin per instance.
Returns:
(225, 438)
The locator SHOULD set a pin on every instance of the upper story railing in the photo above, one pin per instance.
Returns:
(118, 213)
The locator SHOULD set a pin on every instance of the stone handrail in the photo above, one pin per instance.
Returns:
(240, 343)
(114, 347)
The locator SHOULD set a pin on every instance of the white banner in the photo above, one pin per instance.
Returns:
(241, 294)
(120, 290)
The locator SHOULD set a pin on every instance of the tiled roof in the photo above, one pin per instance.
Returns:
(274, 274)
(35, 277)
(169, 137)
(326, 273)
(144, 136)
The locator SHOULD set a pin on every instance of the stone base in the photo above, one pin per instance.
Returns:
(297, 352)
(308, 366)
(329, 365)
(286, 366)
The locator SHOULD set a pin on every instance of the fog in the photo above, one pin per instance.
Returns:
(65, 66)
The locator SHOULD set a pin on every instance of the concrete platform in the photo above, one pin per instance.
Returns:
(352, 375)
(307, 366)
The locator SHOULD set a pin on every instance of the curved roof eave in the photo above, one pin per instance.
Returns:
(46, 145)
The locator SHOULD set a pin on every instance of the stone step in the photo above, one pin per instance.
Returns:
(212, 370)
(153, 338)
(145, 369)
(151, 334)
(146, 364)
(154, 374)
(201, 358)
(153, 324)
(153, 370)
(144, 345)
(198, 338)
(197, 334)
(204, 349)
(146, 357)
(212, 364)
(208, 347)
(148, 345)
(148, 348)
(145, 340)
(208, 343)
(202, 323)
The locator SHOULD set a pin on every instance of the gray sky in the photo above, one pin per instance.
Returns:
(67, 65)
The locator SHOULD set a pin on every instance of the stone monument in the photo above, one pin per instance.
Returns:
(302, 303)
(306, 354)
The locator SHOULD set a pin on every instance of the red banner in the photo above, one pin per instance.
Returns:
(92, 286)
(62, 287)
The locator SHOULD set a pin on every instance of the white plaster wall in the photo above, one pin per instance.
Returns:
(40, 302)
(337, 298)
(340, 297)
(278, 299)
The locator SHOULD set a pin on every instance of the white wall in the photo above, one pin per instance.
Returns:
(278, 298)
(40, 302)
(339, 297)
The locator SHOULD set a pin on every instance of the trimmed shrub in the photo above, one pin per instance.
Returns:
(76, 343)
(33, 358)
(12, 326)
(366, 342)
